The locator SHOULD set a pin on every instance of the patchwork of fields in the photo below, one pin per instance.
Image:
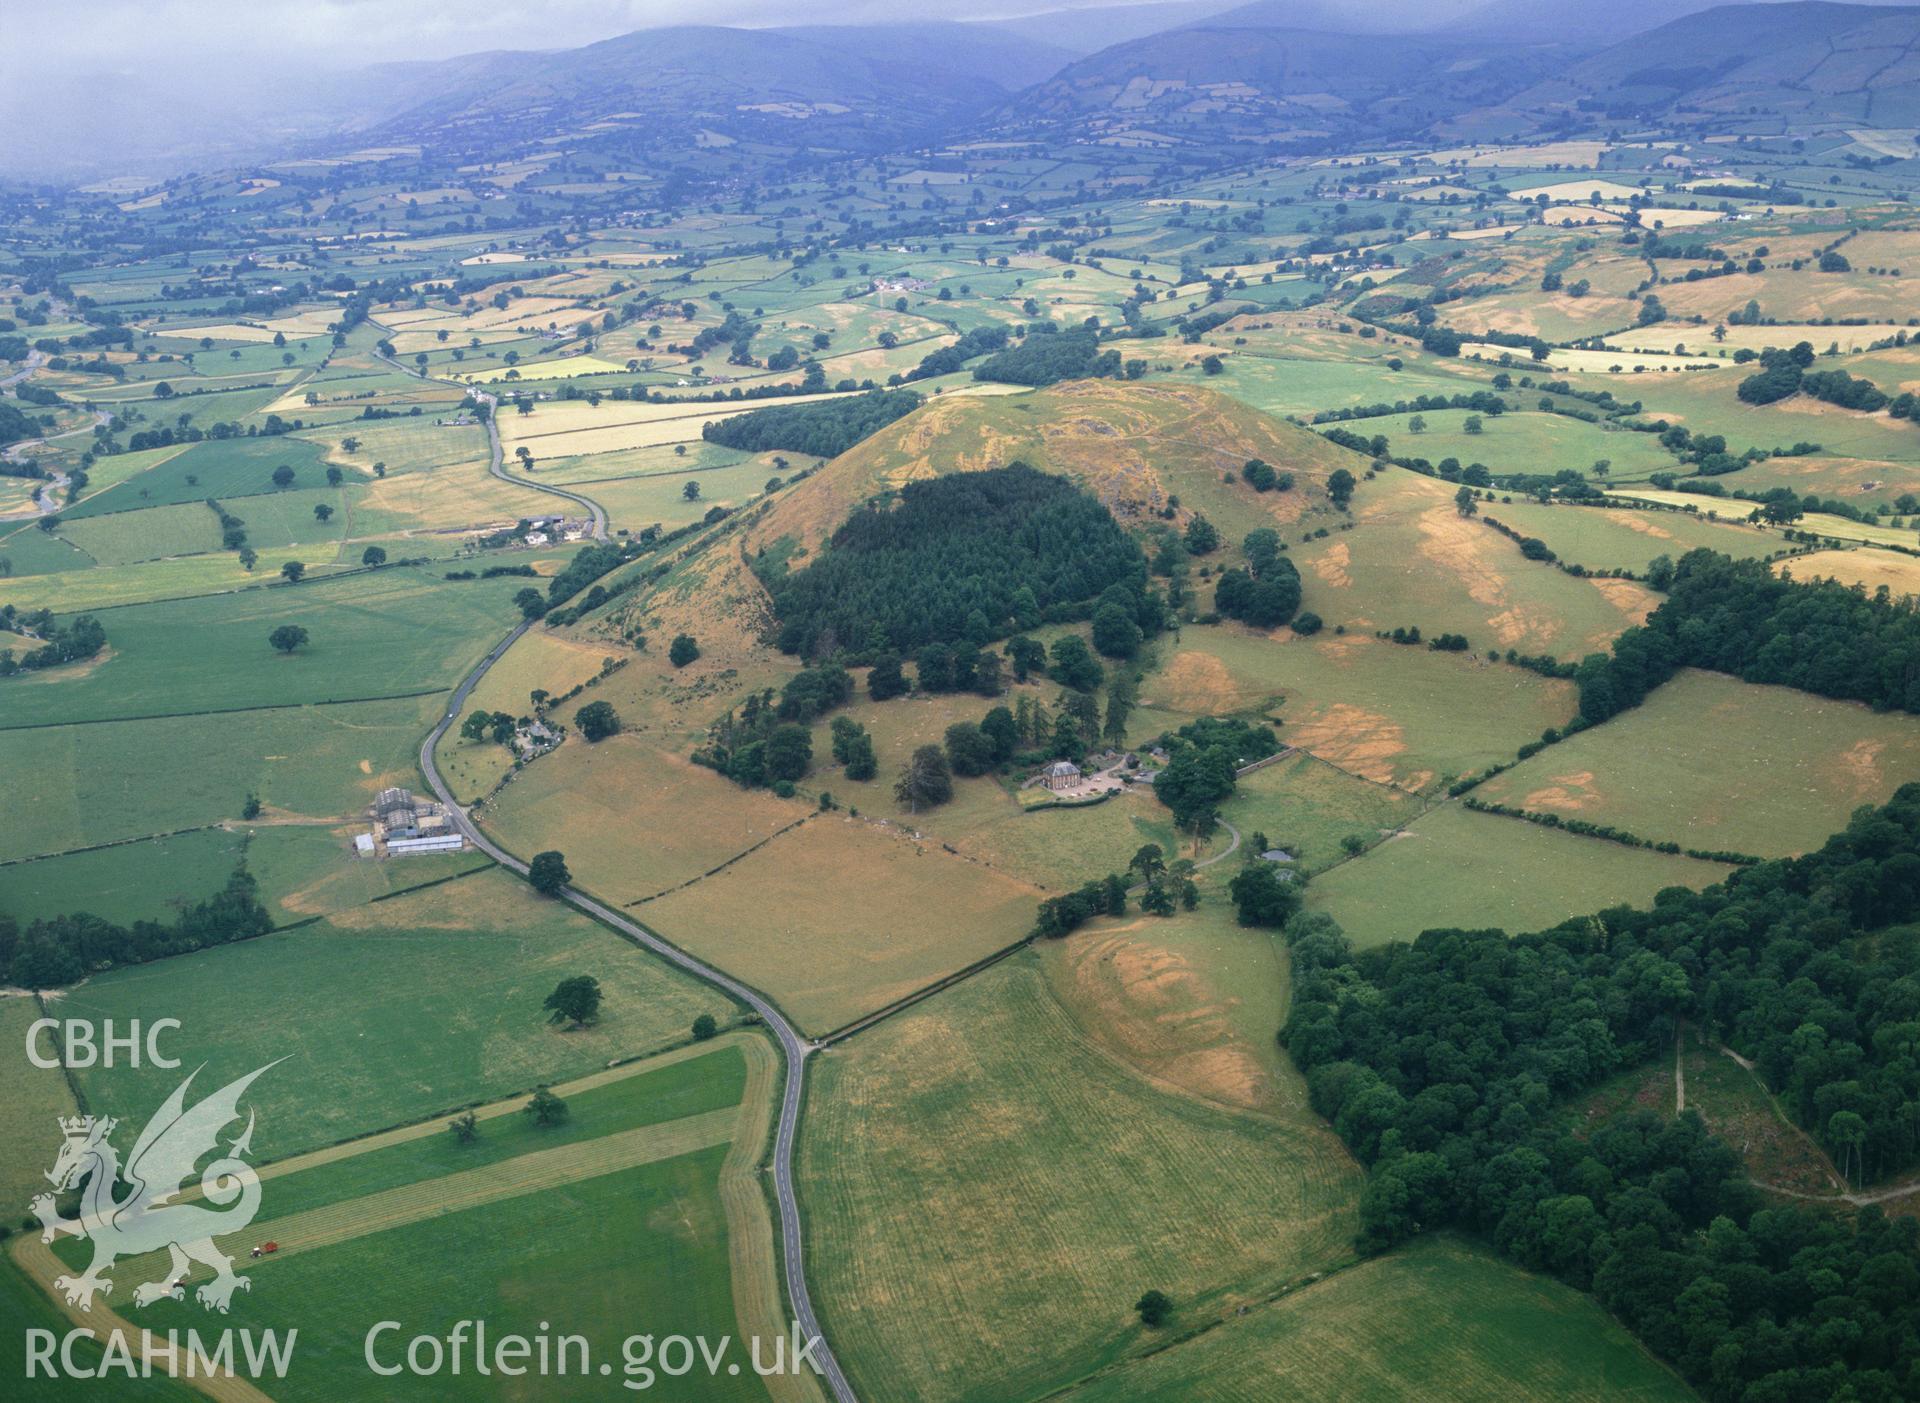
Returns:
(331, 398)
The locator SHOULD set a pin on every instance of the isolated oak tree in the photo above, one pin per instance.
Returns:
(597, 720)
(548, 873)
(545, 1108)
(925, 780)
(574, 1000)
(288, 637)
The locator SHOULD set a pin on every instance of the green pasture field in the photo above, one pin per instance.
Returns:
(82, 785)
(1398, 715)
(1308, 808)
(407, 444)
(25, 1306)
(30, 551)
(633, 815)
(1708, 404)
(381, 634)
(641, 1250)
(1527, 442)
(1457, 868)
(711, 1081)
(660, 460)
(1411, 559)
(1442, 1318)
(126, 883)
(1648, 771)
(973, 1110)
(284, 521)
(36, 1098)
(463, 967)
(224, 470)
(126, 538)
(311, 871)
(1612, 539)
(659, 499)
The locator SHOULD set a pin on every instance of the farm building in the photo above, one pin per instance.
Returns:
(403, 823)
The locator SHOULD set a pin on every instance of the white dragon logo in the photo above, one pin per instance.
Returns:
(157, 1171)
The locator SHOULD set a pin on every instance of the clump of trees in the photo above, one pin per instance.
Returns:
(61, 949)
(769, 743)
(925, 781)
(1047, 359)
(597, 720)
(77, 641)
(548, 873)
(1265, 594)
(1201, 759)
(824, 430)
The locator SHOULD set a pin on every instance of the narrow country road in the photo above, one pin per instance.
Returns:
(496, 459)
(792, 1045)
(34, 360)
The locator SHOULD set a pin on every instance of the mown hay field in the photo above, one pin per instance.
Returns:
(1869, 568)
(987, 1192)
(1440, 1319)
(1711, 762)
(1457, 868)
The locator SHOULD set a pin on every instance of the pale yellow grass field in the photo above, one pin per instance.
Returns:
(1563, 358)
(1869, 568)
(301, 324)
(842, 915)
(1700, 340)
(1580, 154)
(542, 370)
(1653, 216)
(1576, 191)
(571, 428)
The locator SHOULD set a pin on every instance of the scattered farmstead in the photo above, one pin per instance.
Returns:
(405, 824)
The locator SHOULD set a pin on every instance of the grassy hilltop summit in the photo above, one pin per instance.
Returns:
(1220, 698)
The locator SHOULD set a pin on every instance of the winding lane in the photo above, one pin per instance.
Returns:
(794, 1047)
(496, 455)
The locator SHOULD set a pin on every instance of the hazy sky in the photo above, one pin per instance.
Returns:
(108, 34)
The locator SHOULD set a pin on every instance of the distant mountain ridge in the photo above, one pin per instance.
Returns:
(853, 88)
(1804, 62)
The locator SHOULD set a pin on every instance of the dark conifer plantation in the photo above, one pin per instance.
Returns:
(962, 559)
